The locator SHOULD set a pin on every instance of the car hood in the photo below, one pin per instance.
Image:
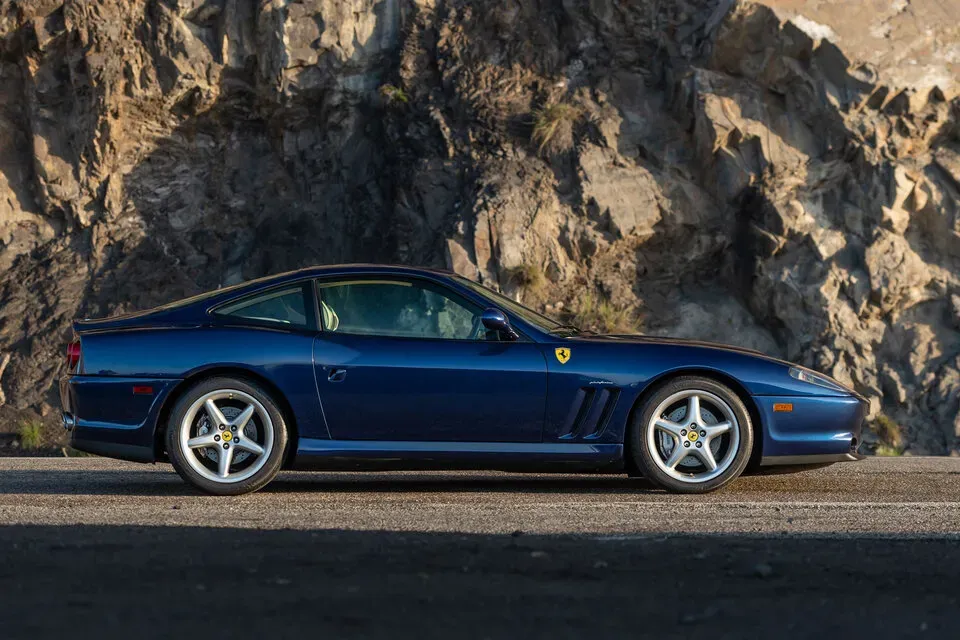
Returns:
(681, 342)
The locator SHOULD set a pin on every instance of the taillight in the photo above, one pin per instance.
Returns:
(73, 354)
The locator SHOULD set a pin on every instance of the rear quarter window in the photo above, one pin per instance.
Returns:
(284, 306)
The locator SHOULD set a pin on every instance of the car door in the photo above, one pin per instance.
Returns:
(408, 359)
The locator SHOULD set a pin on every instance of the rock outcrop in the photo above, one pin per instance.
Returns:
(782, 175)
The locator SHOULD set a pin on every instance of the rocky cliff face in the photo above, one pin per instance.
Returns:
(781, 175)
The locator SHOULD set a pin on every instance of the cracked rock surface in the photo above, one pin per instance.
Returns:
(782, 175)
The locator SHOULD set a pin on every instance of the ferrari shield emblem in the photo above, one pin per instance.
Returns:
(563, 354)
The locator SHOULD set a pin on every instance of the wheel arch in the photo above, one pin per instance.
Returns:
(230, 372)
(718, 376)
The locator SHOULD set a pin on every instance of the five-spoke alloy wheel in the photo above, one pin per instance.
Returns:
(226, 436)
(692, 435)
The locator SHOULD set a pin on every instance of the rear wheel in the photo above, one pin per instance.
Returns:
(693, 435)
(226, 436)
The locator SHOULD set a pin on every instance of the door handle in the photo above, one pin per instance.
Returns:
(336, 374)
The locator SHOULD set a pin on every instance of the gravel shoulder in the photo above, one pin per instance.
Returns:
(906, 496)
(100, 548)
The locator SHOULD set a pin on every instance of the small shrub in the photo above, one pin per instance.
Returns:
(584, 310)
(31, 435)
(553, 128)
(615, 319)
(890, 436)
(392, 94)
(602, 315)
(530, 277)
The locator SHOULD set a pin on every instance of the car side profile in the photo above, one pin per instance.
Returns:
(382, 367)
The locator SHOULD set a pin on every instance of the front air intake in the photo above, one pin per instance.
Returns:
(590, 412)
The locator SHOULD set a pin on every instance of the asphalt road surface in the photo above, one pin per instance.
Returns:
(98, 548)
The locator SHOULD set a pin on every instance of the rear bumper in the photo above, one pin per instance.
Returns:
(113, 416)
(811, 429)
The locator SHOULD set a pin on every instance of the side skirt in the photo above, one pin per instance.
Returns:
(314, 453)
(117, 450)
(771, 461)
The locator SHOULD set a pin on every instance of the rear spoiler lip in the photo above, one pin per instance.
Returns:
(139, 327)
(81, 327)
(143, 320)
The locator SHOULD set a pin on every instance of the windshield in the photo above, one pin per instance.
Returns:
(538, 320)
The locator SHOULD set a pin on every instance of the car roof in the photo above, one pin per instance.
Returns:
(347, 269)
(195, 307)
(266, 282)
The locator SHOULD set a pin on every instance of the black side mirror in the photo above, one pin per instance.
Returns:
(495, 320)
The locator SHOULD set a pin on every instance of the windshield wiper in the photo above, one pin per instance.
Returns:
(566, 327)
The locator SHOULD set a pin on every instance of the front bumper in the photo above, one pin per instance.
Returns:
(113, 416)
(815, 429)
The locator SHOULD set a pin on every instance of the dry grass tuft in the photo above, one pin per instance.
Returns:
(30, 435)
(601, 315)
(393, 95)
(890, 435)
(553, 128)
(529, 276)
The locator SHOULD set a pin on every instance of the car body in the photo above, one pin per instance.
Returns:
(402, 382)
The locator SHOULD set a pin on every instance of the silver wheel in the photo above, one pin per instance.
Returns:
(226, 435)
(693, 436)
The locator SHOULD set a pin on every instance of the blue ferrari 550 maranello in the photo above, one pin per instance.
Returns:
(375, 367)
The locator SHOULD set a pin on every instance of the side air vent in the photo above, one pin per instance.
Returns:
(590, 412)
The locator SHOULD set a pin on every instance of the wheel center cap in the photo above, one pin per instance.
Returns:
(227, 436)
(693, 436)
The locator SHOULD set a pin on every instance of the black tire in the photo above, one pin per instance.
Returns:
(644, 459)
(274, 457)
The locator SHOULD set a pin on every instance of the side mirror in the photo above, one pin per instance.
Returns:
(495, 320)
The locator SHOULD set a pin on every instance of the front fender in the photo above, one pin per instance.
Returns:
(616, 375)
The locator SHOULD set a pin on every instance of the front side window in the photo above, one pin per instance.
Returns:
(538, 320)
(286, 306)
(398, 308)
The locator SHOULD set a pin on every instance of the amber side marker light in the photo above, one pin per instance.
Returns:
(783, 407)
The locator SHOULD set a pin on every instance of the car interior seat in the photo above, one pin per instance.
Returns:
(331, 321)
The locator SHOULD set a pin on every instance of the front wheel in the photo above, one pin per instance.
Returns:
(693, 435)
(226, 436)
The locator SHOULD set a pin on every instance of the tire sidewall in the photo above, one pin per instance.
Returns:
(178, 456)
(643, 457)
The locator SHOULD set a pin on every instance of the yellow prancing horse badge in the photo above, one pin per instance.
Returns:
(563, 354)
(227, 436)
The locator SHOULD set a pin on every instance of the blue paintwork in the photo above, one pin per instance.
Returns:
(461, 455)
(108, 412)
(816, 426)
(283, 358)
(388, 382)
(448, 402)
